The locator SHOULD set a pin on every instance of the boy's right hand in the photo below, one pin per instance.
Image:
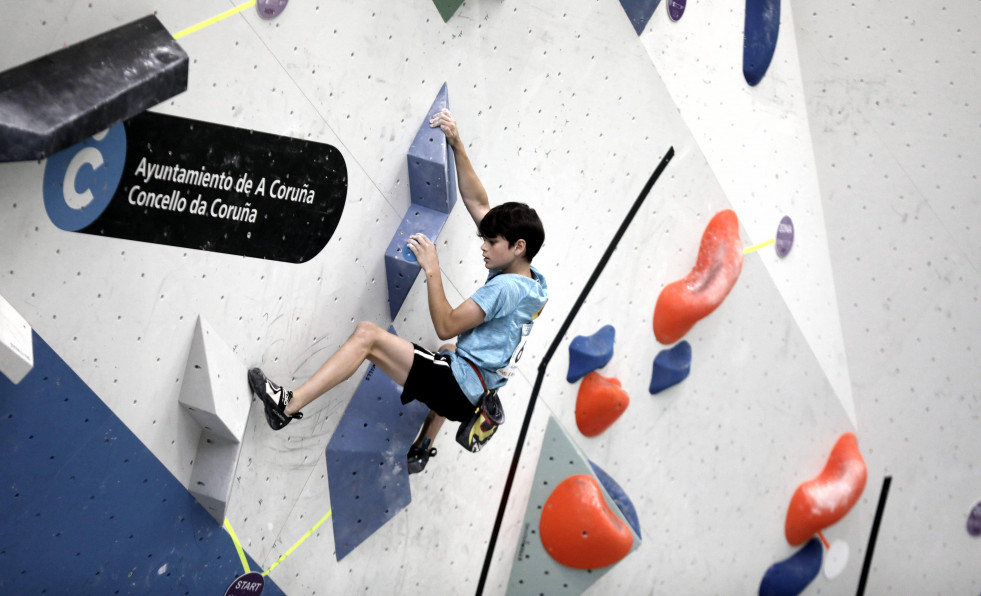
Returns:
(445, 122)
(425, 252)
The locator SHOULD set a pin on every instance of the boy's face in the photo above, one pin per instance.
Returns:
(498, 255)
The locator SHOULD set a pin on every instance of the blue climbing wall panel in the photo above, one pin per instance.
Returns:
(366, 468)
(85, 508)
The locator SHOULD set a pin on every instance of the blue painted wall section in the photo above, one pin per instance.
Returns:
(639, 12)
(366, 468)
(433, 192)
(85, 508)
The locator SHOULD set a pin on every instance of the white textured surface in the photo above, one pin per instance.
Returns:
(863, 131)
(16, 343)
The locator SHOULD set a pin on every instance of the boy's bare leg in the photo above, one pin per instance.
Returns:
(389, 352)
(430, 428)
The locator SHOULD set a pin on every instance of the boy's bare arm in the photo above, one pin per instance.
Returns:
(448, 321)
(471, 189)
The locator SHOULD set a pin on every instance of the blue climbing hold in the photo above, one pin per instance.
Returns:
(671, 367)
(590, 352)
(619, 497)
(792, 575)
(366, 467)
(762, 25)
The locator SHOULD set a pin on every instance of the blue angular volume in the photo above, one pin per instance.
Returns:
(401, 266)
(590, 352)
(671, 367)
(433, 192)
(366, 468)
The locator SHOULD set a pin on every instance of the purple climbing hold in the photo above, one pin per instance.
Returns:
(590, 352)
(974, 521)
(270, 9)
(790, 576)
(671, 367)
(676, 8)
(785, 236)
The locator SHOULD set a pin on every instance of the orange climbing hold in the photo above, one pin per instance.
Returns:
(720, 260)
(825, 499)
(599, 403)
(578, 529)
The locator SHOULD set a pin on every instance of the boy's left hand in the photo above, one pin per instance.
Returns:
(425, 252)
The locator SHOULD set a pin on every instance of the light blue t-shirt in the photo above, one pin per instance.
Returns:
(511, 303)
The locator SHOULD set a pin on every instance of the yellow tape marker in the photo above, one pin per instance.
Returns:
(238, 546)
(759, 246)
(298, 543)
(214, 20)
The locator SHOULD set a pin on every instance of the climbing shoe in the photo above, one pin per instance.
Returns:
(418, 457)
(274, 399)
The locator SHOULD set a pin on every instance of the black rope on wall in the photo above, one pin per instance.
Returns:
(548, 357)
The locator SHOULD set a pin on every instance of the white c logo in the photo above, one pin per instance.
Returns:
(88, 155)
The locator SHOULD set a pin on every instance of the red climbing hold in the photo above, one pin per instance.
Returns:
(720, 260)
(579, 529)
(825, 499)
(599, 403)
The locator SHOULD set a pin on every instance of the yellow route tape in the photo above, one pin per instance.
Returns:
(298, 543)
(238, 546)
(759, 246)
(214, 20)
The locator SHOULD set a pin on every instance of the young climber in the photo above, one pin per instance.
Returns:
(491, 325)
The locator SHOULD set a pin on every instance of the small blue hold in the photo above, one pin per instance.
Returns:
(792, 575)
(671, 367)
(619, 497)
(407, 254)
(588, 353)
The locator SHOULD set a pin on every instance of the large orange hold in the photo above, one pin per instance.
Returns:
(825, 499)
(720, 261)
(579, 530)
(601, 400)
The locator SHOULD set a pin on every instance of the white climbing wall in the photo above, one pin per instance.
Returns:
(862, 132)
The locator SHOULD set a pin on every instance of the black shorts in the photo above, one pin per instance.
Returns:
(431, 382)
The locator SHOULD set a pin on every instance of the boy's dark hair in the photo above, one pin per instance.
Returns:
(514, 221)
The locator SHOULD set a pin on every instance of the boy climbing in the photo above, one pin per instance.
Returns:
(490, 326)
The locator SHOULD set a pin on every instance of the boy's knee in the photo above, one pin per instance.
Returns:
(447, 348)
(367, 331)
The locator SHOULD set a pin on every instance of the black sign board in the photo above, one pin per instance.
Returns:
(180, 182)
